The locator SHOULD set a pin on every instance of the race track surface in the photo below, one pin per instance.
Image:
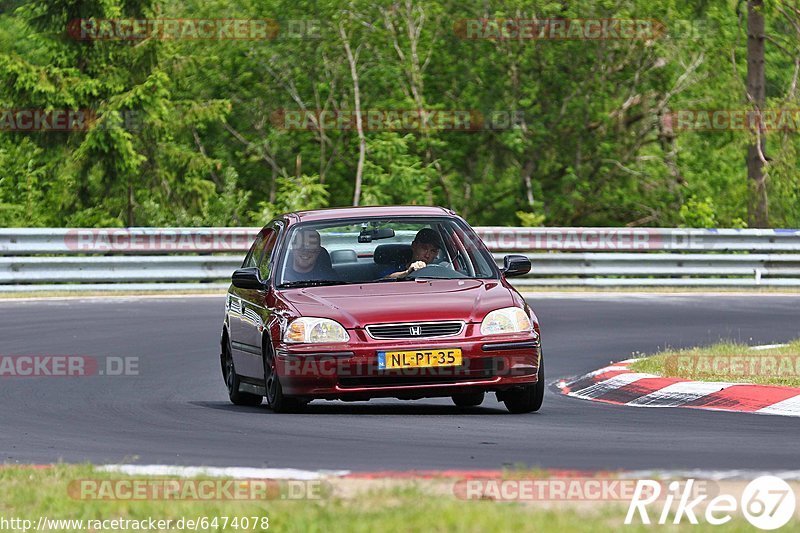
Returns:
(176, 410)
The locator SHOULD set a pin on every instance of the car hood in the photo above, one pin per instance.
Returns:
(355, 306)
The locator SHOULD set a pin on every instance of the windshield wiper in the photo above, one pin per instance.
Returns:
(310, 283)
(384, 280)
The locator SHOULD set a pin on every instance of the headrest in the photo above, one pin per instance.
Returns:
(344, 256)
(324, 259)
(392, 254)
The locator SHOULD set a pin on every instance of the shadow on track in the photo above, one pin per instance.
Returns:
(363, 408)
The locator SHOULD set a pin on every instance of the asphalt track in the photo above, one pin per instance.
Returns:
(176, 410)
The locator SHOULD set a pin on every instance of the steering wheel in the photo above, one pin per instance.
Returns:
(436, 271)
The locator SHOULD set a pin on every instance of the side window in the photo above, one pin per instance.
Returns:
(455, 248)
(271, 236)
(253, 257)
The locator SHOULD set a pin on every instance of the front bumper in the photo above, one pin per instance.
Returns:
(350, 372)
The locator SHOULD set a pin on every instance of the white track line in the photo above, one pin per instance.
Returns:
(291, 473)
(231, 472)
(715, 475)
(768, 346)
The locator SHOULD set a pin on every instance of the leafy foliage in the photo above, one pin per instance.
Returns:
(563, 132)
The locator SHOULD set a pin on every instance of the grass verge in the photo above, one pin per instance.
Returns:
(729, 362)
(27, 493)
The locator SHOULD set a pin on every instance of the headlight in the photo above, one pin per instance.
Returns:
(311, 330)
(506, 320)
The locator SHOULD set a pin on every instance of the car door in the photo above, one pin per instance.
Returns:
(242, 311)
(252, 310)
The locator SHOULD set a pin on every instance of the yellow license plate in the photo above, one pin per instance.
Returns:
(419, 358)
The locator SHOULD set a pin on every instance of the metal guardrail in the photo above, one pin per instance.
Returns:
(31, 241)
(193, 258)
(34, 241)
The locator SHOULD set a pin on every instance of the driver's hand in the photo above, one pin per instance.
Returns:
(416, 265)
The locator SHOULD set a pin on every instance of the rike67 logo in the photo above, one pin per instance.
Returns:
(767, 502)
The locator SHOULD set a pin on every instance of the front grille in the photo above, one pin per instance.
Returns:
(415, 330)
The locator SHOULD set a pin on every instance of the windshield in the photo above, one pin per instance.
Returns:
(382, 250)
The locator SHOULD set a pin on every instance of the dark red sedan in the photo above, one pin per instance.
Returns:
(358, 303)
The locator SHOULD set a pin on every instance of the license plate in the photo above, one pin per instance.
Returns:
(419, 358)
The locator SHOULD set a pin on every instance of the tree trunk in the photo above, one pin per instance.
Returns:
(527, 173)
(130, 222)
(362, 141)
(273, 186)
(757, 203)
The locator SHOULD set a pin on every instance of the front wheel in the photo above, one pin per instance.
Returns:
(529, 398)
(232, 381)
(272, 384)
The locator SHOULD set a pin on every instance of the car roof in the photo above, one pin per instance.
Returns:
(370, 211)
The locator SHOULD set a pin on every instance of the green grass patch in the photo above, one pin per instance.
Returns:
(27, 493)
(729, 362)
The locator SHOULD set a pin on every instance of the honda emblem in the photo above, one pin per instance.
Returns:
(415, 330)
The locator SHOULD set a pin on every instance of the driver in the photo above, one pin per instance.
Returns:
(424, 249)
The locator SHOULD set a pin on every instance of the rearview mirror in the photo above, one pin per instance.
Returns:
(248, 278)
(375, 234)
(516, 265)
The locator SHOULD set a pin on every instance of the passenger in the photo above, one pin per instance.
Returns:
(308, 261)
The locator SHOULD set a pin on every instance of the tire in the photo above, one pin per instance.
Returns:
(277, 401)
(469, 399)
(529, 398)
(232, 380)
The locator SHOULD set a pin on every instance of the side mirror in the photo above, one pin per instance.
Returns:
(516, 265)
(248, 278)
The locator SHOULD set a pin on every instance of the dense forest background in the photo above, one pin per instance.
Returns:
(187, 132)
